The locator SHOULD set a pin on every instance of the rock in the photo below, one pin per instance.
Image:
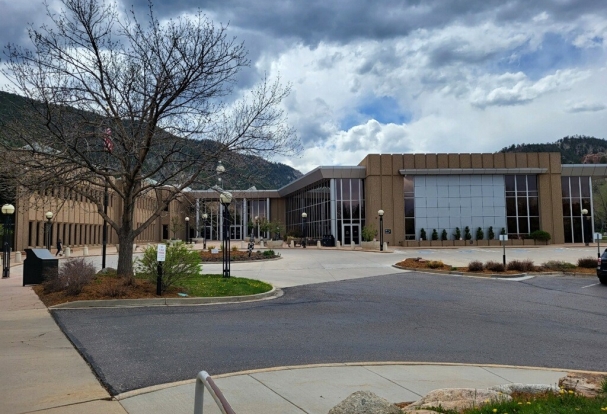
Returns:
(524, 388)
(588, 385)
(457, 399)
(365, 402)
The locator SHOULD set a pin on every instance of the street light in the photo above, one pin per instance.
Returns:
(204, 230)
(304, 217)
(381, 230)
(49, 217)
(226, 198)
(7, 210)
(585, 225)
(187, 230)
(220, 170)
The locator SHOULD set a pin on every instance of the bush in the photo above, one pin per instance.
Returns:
(234, 248)
(587, 262)
(269, 253)
(422, 234)
(494, 266)
(209, 248)
(114, 288)
(368, 232)
(435, 264)
(434, 234)
(467, 235)
(458, 234)
(475, 266)
(479, 234)
(443, 235)
(72, 277)
(490, 233)
(181, 262)
(560, 266)
(520, 265)
(540, 235)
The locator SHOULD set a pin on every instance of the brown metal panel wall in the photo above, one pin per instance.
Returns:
(510, 160)
(544, 158)
(386, 164)
(373, 199)
(488, 161)
(477, 160)
(558, 234)
(532, 160)
(408, 161)
(373, 164)
(364, 162)
(420, 161)
(431, 161)
(387, 204)
(454, 161)
(555, 162)
(443, 160)
(465, 161)
(397, 164)
(278, 210)
(498, 160)
(521, 160)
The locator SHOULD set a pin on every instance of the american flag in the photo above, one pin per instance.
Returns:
(108, 144)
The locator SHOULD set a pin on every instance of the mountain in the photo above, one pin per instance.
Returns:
(242, 171)
(577, 149)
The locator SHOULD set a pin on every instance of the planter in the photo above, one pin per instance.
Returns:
(529, 242)
(436, 243)
(371, 245)
(516, 242)
(411, 243)
(275, 244)
(482, 242)
(459, 242)
(495, 243)
(425, 243)
(447, 243)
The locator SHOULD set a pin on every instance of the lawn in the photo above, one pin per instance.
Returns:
(216, 285)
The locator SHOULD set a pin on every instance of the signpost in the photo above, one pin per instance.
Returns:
(504, 239)
(598, 237)
(160, 258)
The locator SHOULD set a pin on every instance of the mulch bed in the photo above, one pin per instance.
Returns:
(417, 263)
(235, 256)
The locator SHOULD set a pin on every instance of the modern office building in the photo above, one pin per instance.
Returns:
(517, 192)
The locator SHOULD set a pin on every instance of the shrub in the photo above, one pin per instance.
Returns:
(490, 233)
(209, 248)
(467, 235)
(540, 235)
(434, 234)
(181, 262)
(234, 248)
(587, 262)
(368, 232)
(114, 288)
(435, 264)
(494, 266)
(443, 235)
(475, 266)
(503, 231)
(479, 234)
(458, 234)
(521, 265)
(75, 274)
(422, 234)
(560, 266)
(269, 253)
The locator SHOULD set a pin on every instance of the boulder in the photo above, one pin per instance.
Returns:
(525, 388)
(365, 402)
(588, 385)
(457, 399)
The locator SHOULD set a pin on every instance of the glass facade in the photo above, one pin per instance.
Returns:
(577, 196)
(522, 205)
(409, 191)
(350, 209)
(315, 201)
(257, 208)
(212, 230)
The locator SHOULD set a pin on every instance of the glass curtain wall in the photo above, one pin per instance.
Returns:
(577, 196)
(212, 229)
(256, 208)
(409, 191)
(522, 205)
(350, 209)
(315, 201)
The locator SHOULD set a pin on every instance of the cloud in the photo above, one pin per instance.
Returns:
(584, 106)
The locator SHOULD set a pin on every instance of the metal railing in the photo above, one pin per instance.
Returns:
(204, 380)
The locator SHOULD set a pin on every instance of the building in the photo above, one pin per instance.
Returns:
(517, 192)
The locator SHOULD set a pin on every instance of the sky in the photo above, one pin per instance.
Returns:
(410, 76)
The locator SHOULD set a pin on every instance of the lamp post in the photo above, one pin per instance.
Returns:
(220, 170)
(226, 198)
(104, 235)
(381, 230)
(204, 230)
(304, 217)
(7, 210)
(584, 226)
(187, 230)
(49, 217)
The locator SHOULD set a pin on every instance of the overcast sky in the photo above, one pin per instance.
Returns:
(389, 76)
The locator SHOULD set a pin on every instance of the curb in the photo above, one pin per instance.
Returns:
(492, 275)
(131, 303)
(154, 388)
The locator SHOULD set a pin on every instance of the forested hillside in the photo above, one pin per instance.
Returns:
(577, 149)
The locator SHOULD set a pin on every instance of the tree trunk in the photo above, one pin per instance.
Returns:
(125, 255)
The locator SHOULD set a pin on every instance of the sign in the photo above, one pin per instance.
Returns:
(598, 236)
(162, 252)
(214, 251)
(503, 237)
(388, 231)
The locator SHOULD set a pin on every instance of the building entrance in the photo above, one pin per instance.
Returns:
(351, 234)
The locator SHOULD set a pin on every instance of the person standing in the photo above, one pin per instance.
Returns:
(59, 248)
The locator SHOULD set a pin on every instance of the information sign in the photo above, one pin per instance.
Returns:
(162, 252)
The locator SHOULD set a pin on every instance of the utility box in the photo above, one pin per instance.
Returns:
(39, 264)
(327, 240)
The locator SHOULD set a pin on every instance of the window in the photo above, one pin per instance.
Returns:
(522, 205)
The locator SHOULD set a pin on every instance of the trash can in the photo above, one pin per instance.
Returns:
(38, 264)
(328, 240)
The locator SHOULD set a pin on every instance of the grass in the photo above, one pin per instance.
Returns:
(215, 285)
(548, 403)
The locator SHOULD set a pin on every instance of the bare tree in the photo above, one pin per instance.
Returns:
(133, 106)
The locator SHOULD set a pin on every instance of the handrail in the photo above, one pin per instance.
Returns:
(204, 380)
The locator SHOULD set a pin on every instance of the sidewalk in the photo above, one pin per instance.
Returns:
(42, 372)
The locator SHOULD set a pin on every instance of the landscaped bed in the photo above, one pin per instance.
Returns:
(238, 255)
(512, 268)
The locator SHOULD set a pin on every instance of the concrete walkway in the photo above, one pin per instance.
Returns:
(42, 372)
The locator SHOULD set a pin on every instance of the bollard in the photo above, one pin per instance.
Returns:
(261, 244)
(337, 244)
(318, 244)
(385, 246)
(352, 245)
(243, 244)
(85, 251)
(17, 257)
(68, 252)
(292, 243)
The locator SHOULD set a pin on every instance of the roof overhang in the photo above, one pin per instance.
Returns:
(251, 194)
(321, 173)
(584, 170)
(471, 171)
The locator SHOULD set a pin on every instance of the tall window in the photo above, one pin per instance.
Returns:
(522, 205)
(315, 201)
(577, 197)
(409, 190)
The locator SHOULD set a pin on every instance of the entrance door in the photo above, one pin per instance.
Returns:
(235, 232)
(351, 234)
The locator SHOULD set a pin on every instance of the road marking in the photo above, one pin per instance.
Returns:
(594, 284)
